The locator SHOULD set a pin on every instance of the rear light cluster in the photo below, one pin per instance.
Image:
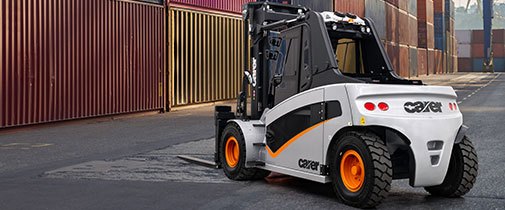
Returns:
(453, 106)
(381, 105)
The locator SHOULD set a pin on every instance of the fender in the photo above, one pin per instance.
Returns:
(461, 134)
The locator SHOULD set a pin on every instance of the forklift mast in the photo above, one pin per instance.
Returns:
(291, 49)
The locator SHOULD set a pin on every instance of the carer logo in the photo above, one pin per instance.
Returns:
(423, 106)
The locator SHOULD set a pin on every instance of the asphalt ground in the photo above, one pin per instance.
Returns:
(131, 163)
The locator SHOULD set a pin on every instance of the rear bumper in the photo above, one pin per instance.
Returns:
(430, 165)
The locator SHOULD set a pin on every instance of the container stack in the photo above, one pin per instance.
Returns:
(401, 36)
(440, 36)
(451, 48)
(426, 39)
(470, 50)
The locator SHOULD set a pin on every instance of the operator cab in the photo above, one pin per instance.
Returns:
(294, 49)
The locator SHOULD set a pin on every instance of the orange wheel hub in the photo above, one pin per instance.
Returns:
(352, 170)
(232, 152)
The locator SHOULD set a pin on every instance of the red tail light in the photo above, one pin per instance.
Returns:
(383, 106)
(451, 106)
(369, 106)
(455, 106)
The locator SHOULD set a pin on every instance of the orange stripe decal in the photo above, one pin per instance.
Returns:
(290, 141)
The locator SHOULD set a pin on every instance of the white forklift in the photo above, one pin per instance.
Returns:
(327, 106)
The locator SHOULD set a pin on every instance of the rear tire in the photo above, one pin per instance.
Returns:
(232, 154)
(360, 169)
(462, 172)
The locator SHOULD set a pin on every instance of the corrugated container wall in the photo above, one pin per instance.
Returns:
(230, 6)
(376, 10)
(316, 5)
(355, 6)
(63, 60)
(206, 56)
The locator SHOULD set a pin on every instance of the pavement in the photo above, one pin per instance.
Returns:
(131, 163)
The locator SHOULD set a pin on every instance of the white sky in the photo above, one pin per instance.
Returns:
(463, 2)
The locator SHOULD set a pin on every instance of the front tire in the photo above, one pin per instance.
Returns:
(360, 169)
(233, 155)
(462, 171)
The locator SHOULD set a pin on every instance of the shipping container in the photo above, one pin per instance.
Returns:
(498, 50)
(477, 64)
(62, 60)
(403, 5)
(465, 65)
(393, 52)
(392, 14)
(439, 24)
(376, 11)
(439, 6)
(404, 63)
(455, 63)
(324, 5)
(412, 7)
(413, 56)
(464, 36)
(394, 2)
(477, 50)
(206, 56)
(355, 6)
(499, 64)
(439, 62)
(319, 5)
(477, 37)
(431, 36)
(432, 64)
(412, 31)
(425, 10)
(403, 28)
(422, 61)
(228, 6)
(499, 36)
(465, 50)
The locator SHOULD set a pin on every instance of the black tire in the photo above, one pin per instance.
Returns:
(462, 172)
(238, 172)
(377, 165)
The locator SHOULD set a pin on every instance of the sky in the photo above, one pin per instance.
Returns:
(463, 2)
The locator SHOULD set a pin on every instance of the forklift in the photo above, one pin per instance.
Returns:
(327, 106)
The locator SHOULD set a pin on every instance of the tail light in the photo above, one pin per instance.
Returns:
(451, 106)
(369, 106)
(383, 106)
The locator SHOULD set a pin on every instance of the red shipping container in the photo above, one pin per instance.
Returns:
(403, 28)
(425, 10)
(422, 61)
(477, 37)
(422, 34)
(80, 59)
(412, 29)
(392, 23)
(439, 62)
(404, 61)
(499, 36)
(403, 5)
(355, 6)
(439, 6)
(394, 55)
(477, 50)
(465, 64)
(431, 35)
(499, 50)
(394, 2)
(431, 62)
(231, 6)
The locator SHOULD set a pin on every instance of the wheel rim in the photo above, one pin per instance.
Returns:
(352, 170)
(232, 152)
